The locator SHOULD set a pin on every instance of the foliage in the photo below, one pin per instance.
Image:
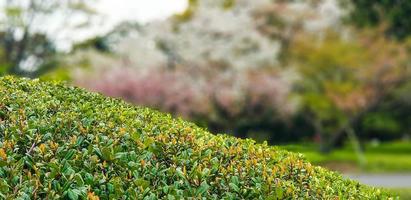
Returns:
(28, 35)
(38, 55)
(64, 142)
(224, 102)
(344, 79)
(296, 67)
(208, 59)
(98, 43)
(232, 35)
(381, 157)
(392, 117)
(392, 14)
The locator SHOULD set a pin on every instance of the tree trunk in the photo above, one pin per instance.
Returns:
(21, 51)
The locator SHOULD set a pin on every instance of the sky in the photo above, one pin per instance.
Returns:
(115, 11)
(139, 10)
(111, 13)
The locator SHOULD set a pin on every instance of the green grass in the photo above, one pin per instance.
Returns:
(390, 157)
(384, 157)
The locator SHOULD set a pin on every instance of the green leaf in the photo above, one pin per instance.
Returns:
(79, 180)
(135, 136)
(141, 182)
(235, 180)
(107, 153)
(2, 163)
(279, 192)
(203, 188)
(79, 141)
(148, 142)
(69, 154)
(234, 187)
(73, 194)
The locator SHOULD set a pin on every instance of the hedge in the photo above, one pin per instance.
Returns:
(58, 142)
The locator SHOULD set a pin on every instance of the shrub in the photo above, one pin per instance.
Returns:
(64, 142)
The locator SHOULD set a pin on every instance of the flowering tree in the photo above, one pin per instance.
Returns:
(236, 64)
(346, 78)
(237, 35)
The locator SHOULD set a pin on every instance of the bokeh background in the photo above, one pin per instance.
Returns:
(327, 78)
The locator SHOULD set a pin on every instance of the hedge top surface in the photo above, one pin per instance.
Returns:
(63, 142)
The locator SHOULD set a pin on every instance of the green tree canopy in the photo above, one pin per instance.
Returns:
(393, 13)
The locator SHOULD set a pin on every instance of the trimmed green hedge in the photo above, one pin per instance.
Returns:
(63, 142)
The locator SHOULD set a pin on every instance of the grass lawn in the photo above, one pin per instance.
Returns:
(380, 158)
(392, 157)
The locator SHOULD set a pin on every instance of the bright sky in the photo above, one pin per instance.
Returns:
(116, 11)
(140, 10)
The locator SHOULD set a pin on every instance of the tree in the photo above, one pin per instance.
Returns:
(28, 36)
(221, 55)
(393, 14)
(235, 35)
(343, 79)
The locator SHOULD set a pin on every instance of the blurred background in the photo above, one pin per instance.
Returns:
(327, 78)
